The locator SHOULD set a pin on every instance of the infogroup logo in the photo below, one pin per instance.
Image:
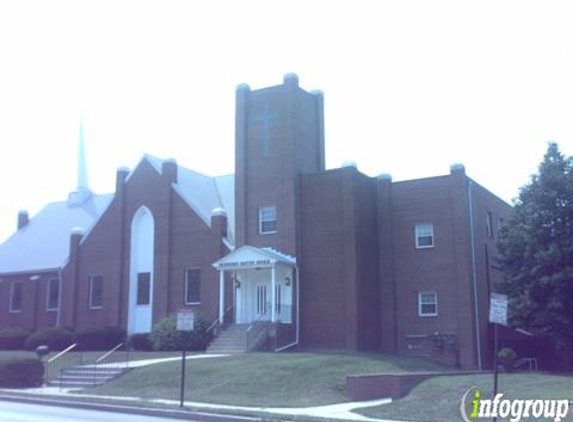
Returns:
(516, 409)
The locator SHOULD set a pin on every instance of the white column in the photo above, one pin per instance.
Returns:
(273, 293)
(221, 296)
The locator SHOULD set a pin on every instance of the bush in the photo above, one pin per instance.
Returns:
(54, 338)
(507, 358)
(99, 337)
(165, 336)
(13, 338)
(140, 342)
(21, 373)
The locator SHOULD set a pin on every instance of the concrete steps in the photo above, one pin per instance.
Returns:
(85, 376)
(232, 340)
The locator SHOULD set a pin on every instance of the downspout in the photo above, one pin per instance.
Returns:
(297, 339)
(60, 287)
(474, 274)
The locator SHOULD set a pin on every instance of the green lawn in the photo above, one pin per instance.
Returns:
(438, 399)
(260, 379)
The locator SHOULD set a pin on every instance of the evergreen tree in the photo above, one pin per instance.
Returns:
(536, 248)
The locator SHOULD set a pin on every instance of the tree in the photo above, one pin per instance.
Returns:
(536, 251)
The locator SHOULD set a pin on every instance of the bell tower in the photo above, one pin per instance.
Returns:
(279, 134)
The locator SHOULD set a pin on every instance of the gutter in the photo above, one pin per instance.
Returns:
(474, 273)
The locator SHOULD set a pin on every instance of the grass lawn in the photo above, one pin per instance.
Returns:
(438, 399)
(260, 379)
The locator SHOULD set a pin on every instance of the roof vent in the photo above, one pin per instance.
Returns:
(291, 78)
(349, 163)
(457, 167)
(384, 177)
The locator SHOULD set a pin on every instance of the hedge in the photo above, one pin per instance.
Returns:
(99, 337)
(13, 338)
(21, 373)
(140, 342)
(54, 338)
(165, 336)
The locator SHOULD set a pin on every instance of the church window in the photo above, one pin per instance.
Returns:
(427, 304)
(489, 224)
(268, 220)
(53, 295)
(424, 236)
(192, 286)
(96, 292)
(16, 297)
(143, 288)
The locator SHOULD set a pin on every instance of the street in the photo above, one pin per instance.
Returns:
(23, 412)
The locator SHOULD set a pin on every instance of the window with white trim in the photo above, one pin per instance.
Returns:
(96, 292)
(424, 236)
(489, 224)
(268, 220)
(192, 286)
(427, 304)
(53, 294)
(143, 296)
(16, 297)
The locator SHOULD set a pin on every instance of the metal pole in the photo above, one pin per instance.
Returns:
(495, 364)
(183, 370)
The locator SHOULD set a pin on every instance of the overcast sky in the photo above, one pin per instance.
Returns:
(410, 86)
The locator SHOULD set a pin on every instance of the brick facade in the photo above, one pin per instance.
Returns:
(353, 237)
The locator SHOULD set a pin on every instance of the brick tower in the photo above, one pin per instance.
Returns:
(279, 134)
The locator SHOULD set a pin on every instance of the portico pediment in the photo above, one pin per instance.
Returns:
(251, 257)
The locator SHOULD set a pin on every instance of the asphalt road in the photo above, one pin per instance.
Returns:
(23, 412)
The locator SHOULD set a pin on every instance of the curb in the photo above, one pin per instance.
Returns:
(145, 411)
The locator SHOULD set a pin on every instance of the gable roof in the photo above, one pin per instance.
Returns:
(203, 193)
(43, 244)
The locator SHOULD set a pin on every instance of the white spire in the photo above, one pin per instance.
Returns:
(82, 166)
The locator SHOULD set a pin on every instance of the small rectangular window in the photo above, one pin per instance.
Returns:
(143, 288)
(489, 224)
(192, 286)
(53, 295)
(96, 292)
(424, 236)
(427, 304)
(500, 224)
(16, 297)
(268, 220)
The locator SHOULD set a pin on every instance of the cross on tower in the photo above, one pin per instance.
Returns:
(264, 118)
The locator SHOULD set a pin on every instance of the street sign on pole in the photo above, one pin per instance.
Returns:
(185, 320)
(498, 309)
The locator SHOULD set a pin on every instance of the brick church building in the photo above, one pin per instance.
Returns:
(306, 257)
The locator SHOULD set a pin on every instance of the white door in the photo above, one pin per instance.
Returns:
(262, 305)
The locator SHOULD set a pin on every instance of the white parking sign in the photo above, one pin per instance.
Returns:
(185, 320)
(498, 309)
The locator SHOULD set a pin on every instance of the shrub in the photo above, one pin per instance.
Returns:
(21, 373)
(507, 358)
(165, 336)
(140, 342)
(13, 338)
(99, 337)
(54, 338)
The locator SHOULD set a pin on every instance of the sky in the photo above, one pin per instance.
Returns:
(410, 87)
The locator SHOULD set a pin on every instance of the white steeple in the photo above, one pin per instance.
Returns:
(82, 165)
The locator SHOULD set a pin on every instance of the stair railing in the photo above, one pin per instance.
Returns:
(217, 321)
(58, 361)
(112, 359)
(254, 336)
(530, 362)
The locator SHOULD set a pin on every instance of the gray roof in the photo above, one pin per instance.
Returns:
(43, 244)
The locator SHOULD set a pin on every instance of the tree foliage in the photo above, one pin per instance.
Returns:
(536, 249)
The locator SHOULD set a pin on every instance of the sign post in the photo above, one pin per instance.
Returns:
(497, 315)
(185, 324)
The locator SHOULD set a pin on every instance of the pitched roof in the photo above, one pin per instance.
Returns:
(43, 244)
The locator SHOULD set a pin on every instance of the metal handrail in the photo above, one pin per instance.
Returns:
(62, 353)
(217, 320)
(532, 362)
(98, 360)
(250, 327)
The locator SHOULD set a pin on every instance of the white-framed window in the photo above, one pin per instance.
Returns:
(143, 296)
(427, 304)
(16, 297)
(192, 286)
(424, 236)
(96, 292)
(268, 220)
(53, 294)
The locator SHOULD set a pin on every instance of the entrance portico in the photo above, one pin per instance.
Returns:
(264, 285)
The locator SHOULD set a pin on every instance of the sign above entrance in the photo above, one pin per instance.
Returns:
(185, 320)
(245, 263)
